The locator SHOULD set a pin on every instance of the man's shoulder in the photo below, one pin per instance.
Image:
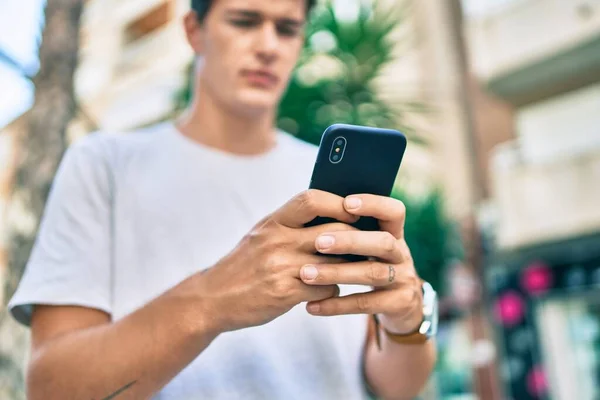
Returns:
(111, 144)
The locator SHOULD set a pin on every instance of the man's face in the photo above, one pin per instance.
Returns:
(249, 50)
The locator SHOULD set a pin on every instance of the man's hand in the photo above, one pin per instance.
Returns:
(260, 279)
(397, 294)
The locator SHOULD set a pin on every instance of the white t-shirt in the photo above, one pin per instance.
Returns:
(131, 215)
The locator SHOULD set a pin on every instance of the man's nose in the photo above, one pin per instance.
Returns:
(267, 45)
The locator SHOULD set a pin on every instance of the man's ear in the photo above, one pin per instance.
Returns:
(193, 31)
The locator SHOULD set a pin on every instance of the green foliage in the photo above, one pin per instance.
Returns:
(183, 97)
(333, 81)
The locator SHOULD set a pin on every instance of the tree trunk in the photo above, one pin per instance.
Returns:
(486, 384)
(40, 148)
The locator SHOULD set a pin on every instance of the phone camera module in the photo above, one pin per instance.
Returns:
(337, 150)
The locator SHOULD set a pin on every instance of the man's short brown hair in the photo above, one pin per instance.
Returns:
(203, 6)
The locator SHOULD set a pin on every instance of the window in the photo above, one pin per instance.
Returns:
(562, 126)
(149, 21)
(571, 323)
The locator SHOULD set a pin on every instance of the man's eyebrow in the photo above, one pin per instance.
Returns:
(243, 13)
(293, 22)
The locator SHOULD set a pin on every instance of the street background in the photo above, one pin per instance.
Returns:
(500, 100)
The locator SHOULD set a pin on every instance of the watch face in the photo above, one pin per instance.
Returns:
(434, 317)
(430, 311)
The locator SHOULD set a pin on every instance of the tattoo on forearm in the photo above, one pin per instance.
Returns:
(121, 390)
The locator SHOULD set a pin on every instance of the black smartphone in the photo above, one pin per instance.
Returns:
(357, 159)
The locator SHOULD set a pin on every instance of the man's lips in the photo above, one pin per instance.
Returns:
(260, 77)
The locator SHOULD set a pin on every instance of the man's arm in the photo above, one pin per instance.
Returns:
(398, 371)
(77, 353)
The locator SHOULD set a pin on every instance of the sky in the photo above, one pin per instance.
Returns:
(19, 34)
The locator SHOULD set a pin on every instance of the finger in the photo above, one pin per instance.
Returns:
(307, 236)
(370, 273)
(316, 259)
(390, 212)
(382, 245)
(310, 204)
(393, 302)
(291, 267)
(319, 293)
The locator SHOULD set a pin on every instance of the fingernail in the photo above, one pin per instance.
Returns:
(313, 308)
(324, 242)
(352, 203)
(309, 272)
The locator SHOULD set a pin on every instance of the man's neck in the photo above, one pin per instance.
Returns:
(213, 125)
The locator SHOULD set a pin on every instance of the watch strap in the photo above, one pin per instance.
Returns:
(413, 338)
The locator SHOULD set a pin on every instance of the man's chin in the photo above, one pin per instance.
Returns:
(258, 102)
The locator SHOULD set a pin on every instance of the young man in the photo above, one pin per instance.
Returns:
(171, 262)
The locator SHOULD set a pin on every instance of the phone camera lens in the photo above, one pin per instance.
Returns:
(337, 150)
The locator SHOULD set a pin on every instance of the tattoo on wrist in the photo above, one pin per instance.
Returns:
(119, 391)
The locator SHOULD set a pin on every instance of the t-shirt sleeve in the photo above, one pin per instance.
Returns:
(70, 263)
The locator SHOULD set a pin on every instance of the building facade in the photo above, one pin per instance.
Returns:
(543, 58)
(134, 59)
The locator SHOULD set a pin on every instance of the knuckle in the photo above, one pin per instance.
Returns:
(407, 297)
(411, 282)
(280, 244)
(276, 243)
(388, 242)
(415, 282)
(307, 200)
(401, 208)
(363, 303)
(345, 242)
(377, 272)
(255, 237)
(270, 224)
(406, 253)
(282, 289)
(265, 234)
(275, 263)
(331, 274)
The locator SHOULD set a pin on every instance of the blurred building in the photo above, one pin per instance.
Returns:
(543, 58)
(464, 125)
(133, 58)
(133, 61)
(532, 84)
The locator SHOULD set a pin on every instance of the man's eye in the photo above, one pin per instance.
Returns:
(286, 30)
(244, 23)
